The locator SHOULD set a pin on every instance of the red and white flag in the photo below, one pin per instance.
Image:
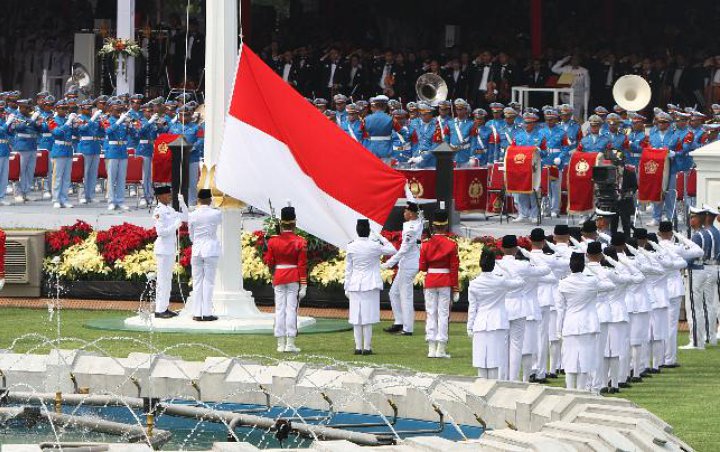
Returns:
(277, 146)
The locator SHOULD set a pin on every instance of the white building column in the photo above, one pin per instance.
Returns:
(125, 80)
(707, 162)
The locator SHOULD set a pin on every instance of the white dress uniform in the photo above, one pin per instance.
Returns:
(363, 284)
(203, 225)
(534, 318)
(631, 290)
(407, 259)
(488, 320)
(554, 334)
(670, 263)
(577, 315)
(167, 221)
(688, 250)
(608, 354)
(547, 287)
(518, 306)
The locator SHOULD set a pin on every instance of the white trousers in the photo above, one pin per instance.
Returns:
(695, 308)
(437, 310)
(673, 320)
(363, 337)
(599, 376)
(165, 263)
(286, 305)
(515, 344)
(203, 275)
(710, 294)
(491, 374)
(401, 298)
(543, 338)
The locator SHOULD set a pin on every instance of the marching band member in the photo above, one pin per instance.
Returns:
(25, 127)
(506, 132)
(556, 157)
(62, 127)
(488, 322)
(401, 143)
(460, 137)
(45, 105)
(353, 125)
(408, 261)
(117, 131)
(287, 258)
(90, 133)
(664, 138)
(203, 224)
(439, 259)
(529, 136)
(363, 283)
(711, 293)
(167, 222)
(578, 318)
(638, 141)
(185, 126)
(572, 128)
(147, 133)
(4, 154)
(594, 140)
(379, 126)
(426, 136)
(482, 149)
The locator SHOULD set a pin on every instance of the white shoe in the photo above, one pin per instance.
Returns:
(519, 219)
(290, 346)
(56, 205)
(19, 199)
(432, 349)
(133, 193)
(280, 344)
(123, 207)
(651, 223)
(46, 195)
(5, 203)
(98, 188)
(143, 203)
(111, 207)
(553, 215)
(67, 206)
(688, 347)
(9, 190)
(441, 353)
(83, 201)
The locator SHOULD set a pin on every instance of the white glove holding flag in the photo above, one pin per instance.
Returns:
(303, 292)
(96, 115)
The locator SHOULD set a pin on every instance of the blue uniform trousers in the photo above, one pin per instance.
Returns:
(27, 171)
(666, 208)
(4, 173)
(90, 175)
(62, 171)
(117, 172)
(147, 184)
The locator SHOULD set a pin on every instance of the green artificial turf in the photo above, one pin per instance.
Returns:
(687, 397)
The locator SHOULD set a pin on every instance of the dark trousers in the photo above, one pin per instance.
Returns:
(625, 209)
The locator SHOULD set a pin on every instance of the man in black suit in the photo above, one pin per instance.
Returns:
(383, 77)
(604, 75)
(287, 69)
(625, 207)
(507, 76)
(356, 79)
(483, 72)
(330, 75)
(681, 82)
(536, 76)
(305, 72)
(456, 80)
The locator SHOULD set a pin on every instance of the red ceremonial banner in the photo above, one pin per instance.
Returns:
(162, 159)
(520, 167)
(580, 187)
(680, 184)
(469, 186)
(653, 173)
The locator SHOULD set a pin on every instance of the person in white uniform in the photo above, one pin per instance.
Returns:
(577, 316)
(363, 283)
(688, 250)
(203, 225)
(167, 222)
(487, 316)
(516, 301)
(561, 247)
(408, 261)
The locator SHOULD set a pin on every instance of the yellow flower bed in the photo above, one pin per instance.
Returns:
(78, 260)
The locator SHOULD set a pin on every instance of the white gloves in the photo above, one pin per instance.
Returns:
(612, 261)
(195, 116)
(122, 118)
(303, 292)
(456, 297)
(415, 160)
(671, 154)
(153, 118)
(181, 198)
(654, 246)
(524, 252)
(9, 120)
(470, 333)
(70, 118)
(174, 119)
(574, 241)
(385, 266)
(2, 283)
(556, 161)
(96, 115)
(347, 294)
(34, 116)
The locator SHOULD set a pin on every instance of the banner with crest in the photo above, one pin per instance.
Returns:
(469, 186)
(580, 187)
(653, 174)
(162, 159)
(522, 169)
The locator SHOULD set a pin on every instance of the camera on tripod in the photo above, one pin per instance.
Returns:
(605, 180)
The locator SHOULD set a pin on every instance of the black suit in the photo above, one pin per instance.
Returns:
(625, 207)
(538, 79)
(323, 79)
(305, 76)
(474, 91)
(681, 85)
(457, 83)
(601, 90)
(292, 74)
(356, 83)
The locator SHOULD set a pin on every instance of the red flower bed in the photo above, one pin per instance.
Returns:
(67, 236)
(185, 256)
(119, 241)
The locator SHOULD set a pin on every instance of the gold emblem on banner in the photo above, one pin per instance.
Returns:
(519, 159)
(497, 204)
(163, 148)
(416, 188)
(651, 167)
(475, 190)
(582, 167)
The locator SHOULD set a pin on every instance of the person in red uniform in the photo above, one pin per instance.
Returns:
(439, 259)
(287, 258)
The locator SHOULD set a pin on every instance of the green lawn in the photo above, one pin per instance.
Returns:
(687, 397)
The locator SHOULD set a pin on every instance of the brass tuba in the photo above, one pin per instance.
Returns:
(431, 88)
(632, 92)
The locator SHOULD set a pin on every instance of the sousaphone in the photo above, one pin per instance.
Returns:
(632, 92)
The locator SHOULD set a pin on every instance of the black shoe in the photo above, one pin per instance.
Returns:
(210, 318)
(613, 391)
(199, 319)
(654, 371)
(670, 366)
(393, 329)
(533, 378)
(358, 352)
(367, 352)
(164, 315)
(604, 390)
(625, 385)
(553, 376)
(403, 333)
(541, 380)
(561, 371)
(636, 379)
(172, 313)
(646, 373)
